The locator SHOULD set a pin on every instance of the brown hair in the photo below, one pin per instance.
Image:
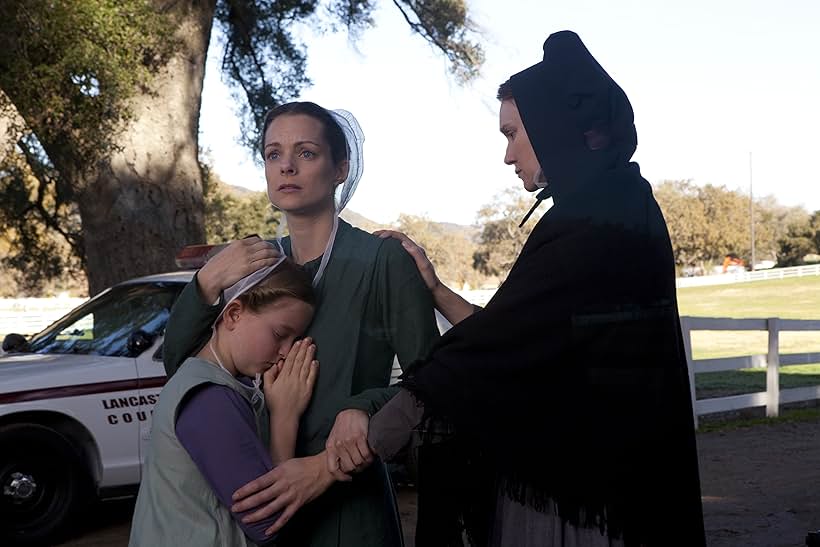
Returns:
(505, 92)
(333, 133)
(288, 279)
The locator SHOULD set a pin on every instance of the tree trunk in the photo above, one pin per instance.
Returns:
(144, 203)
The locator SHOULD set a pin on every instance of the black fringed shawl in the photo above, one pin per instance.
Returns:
(571, 385)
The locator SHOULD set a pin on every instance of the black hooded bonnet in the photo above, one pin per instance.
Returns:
(560, 100)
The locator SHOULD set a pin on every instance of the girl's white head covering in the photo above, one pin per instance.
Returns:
(232, 293)
(249, 281)
(355, 141)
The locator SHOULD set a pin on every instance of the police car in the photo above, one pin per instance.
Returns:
(75, 407)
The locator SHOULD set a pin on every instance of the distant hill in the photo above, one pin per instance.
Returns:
(238, 191)
(361, 221)
(470, 232)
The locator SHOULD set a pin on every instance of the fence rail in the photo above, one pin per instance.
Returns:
(744, 277)
(28, 316)
(773, 397)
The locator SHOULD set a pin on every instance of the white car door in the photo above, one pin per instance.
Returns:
(128, 324)
(98, 385)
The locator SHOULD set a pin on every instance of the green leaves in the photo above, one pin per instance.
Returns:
(501, 240)
(266, 61)
(35, 254)
(69, 67)
(448, 246)
(446, 25)
(233, 213)
(708, 222)
(801, 239)
(108, 92)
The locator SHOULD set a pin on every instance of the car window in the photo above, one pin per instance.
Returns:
(103, 325)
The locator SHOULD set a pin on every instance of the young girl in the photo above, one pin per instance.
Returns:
(205, 437)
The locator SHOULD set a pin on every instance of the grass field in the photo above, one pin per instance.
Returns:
(787, 299)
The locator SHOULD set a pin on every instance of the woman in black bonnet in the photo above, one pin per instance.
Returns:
(568, 395)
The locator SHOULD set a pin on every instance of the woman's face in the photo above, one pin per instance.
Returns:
(299, 165)
(519, 150)
(258, 340)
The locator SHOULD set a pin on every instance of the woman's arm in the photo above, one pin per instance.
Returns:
(453, 307)
(392, 426)
(239, 259)
(407, 323)
(188, 327)
(283, 490)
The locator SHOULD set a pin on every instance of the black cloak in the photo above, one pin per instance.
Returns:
(571, 385)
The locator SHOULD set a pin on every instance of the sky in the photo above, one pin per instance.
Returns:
(714, 84)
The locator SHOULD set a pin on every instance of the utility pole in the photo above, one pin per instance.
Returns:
(751, 212)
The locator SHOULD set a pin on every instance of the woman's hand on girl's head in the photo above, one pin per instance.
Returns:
(288, 388)
(416, 251)
(239, 259)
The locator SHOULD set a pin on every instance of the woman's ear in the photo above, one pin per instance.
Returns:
(341, 172)
(596, 139)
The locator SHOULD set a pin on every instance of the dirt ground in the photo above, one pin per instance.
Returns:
(761, 484)
(761, 488)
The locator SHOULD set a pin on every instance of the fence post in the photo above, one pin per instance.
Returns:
(687, 349)
(773, 369)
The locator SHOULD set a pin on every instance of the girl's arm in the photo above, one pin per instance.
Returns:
(283, 430)
(217, 428)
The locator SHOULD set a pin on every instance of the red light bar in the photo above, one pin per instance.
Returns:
(195, 256)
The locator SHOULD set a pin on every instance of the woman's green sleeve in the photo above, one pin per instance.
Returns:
(406, 315)
(189, 326)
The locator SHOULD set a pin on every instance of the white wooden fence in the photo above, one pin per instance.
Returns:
(743, 277)
(31, 315)
(773, 397)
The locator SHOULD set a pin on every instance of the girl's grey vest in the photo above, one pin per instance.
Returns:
(176, 506)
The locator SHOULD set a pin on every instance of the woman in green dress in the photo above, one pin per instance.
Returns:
(372, 306)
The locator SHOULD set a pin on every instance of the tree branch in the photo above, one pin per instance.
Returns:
(51, 220)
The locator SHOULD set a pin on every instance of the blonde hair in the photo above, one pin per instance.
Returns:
(288, 279)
